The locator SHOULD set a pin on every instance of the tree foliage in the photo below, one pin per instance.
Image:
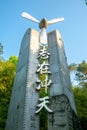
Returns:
(82, 72)
(80, 91)
(7, 73)
(80, 95)
(72, 67)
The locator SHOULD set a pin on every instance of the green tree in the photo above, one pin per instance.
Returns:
(80, 91)
(80, 95)
(7, 73)
(72, 67)
(81, 73)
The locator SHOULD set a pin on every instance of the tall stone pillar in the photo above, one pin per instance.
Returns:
(21, 115)
(24, 99)
(62, 103)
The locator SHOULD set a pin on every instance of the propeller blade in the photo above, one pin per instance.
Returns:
(55, 20)
(28, 16)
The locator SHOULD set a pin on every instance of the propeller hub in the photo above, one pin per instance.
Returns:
(43, 23)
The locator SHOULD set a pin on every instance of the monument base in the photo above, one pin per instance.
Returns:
(63, 117)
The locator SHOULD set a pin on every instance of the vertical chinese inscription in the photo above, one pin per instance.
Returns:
(43, 83)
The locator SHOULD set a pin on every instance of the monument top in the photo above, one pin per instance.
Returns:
(44, 22)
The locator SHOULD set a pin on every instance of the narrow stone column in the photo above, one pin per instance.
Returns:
(61, 96)
(21, 114)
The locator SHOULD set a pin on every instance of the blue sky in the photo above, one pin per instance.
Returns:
(73, 29)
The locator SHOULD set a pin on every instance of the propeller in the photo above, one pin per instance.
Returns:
(28, 16)
(43, 22)
(55, 20)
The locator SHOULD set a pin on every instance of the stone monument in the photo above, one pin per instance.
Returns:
(42, 81)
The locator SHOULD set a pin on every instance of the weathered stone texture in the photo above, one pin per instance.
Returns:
(61, 96)
(21, 115)
(61, 119)
(59, 69)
